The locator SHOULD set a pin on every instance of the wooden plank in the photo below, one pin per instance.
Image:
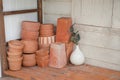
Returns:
(40, 11)
(2, 41)
(20, 12)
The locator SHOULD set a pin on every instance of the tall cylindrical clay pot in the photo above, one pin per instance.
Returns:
(57, 55)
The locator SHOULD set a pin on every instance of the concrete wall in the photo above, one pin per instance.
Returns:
(98, 22)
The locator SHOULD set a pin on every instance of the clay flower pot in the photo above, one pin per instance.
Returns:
(29, 60)
(46, 41)
(15, 63)
(57, 55)
(31, 46)
(30, 26)
(63, 33)
(47, 26)
(42, 58)
(43, 63)
(42, 52)
(15, 46)
(29, 35)
(14, 54)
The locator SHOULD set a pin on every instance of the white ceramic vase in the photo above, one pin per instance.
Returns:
(77, 57)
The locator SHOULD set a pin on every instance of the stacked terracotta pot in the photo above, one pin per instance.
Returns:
(46, 35)
(29, 35)
(15, 54)
(42, 57)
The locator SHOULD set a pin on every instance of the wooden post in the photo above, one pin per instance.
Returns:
(39, 10)
(3, 58)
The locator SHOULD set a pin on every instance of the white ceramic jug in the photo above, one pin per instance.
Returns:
(77, 57)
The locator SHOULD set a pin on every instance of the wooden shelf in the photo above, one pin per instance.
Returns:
(84, 72)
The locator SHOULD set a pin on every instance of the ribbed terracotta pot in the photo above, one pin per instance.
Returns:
(14, 54)
(29, 35)
(46, 41)
(31, 46)
(31, 26)
(29, 60)
(15, 63)
(15, 46)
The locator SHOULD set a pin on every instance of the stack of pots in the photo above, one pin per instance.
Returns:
(15, 54)
(29, 35)
(46, 35)
(42, 57)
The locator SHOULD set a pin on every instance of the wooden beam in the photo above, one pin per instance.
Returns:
(20, 11)
(40, 11)
(3, 57)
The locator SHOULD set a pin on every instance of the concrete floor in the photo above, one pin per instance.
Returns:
(9, 78)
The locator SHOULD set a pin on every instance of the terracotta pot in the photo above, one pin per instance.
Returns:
(42, 52)
(42, 58)
(14, 54)
(43, 63)
(15, 46)
(29, 60)
(63, 33)
(29, 35)
(57, 55)
(47, 27)
(46, 41)
(69, 50)
(30, 26)
(30, 46)
(15, 63)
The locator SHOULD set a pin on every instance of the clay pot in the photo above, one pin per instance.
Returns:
(14, 54)
(30, 26)
(63, 33)
(29, 35)
(30, 46)
(29, 60)
(42, 58)
(43, 63)
(15, 63)
(15, 46)
(47, 27)
(46, 41)
(42, 52)
(57, 55)
(46, 30)
(69, 50)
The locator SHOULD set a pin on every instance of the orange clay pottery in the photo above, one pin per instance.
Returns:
(42, 52)
(43, 63)
(31, 26)
(57, 55)
(29, 60)
(14, 54)
(46, 30)
(30, 46)
(15, 46)
(63, 33)
(42, 58)
(15, 63)
(46, 41)
(29, 35)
